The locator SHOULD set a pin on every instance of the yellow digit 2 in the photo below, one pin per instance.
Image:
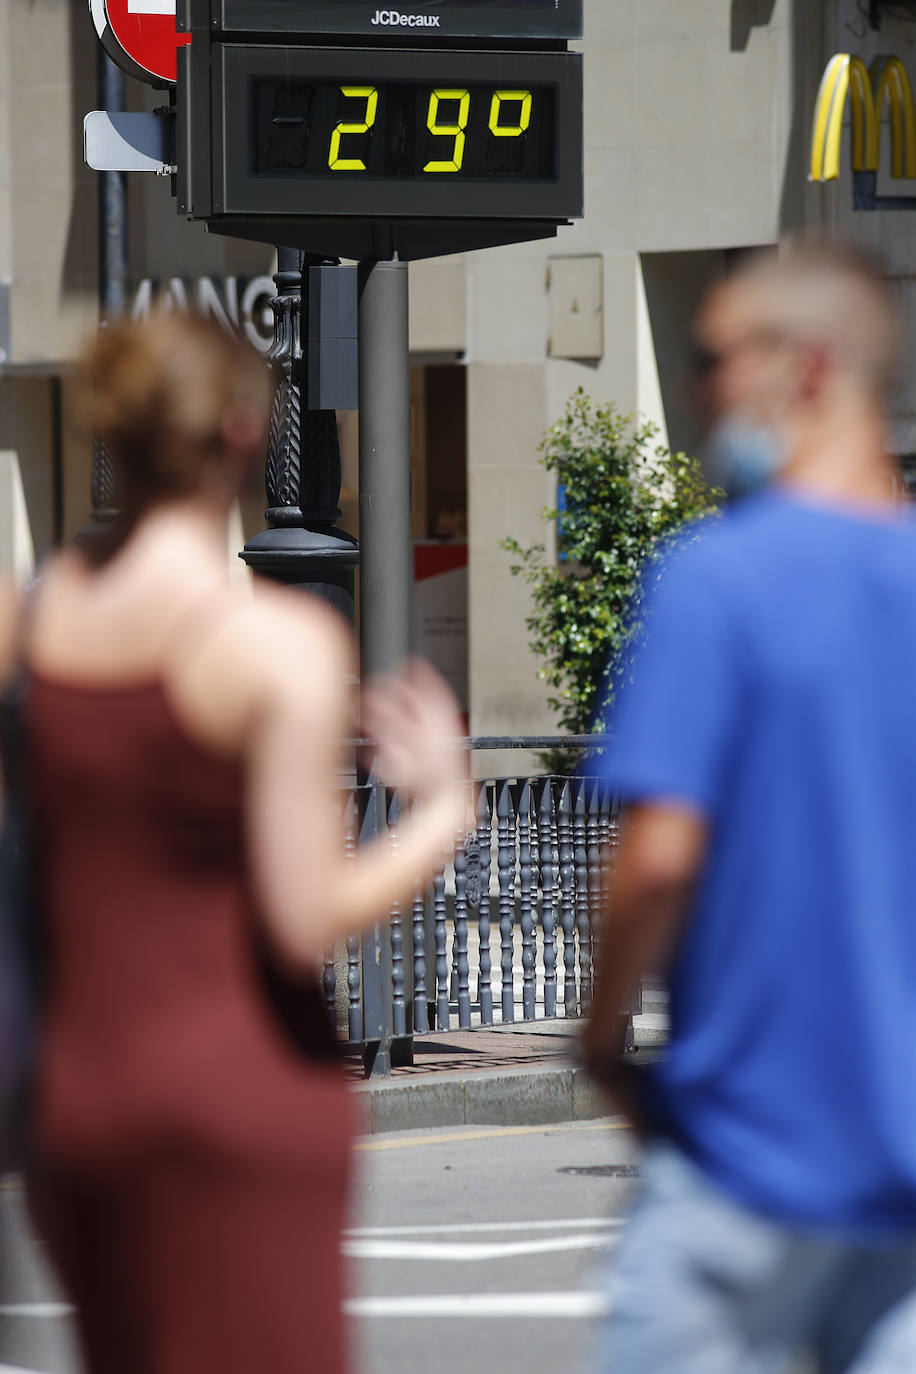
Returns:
(456, 130)
(522, 98)
(353, 164)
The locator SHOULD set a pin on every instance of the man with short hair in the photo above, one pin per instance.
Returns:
(766, 758)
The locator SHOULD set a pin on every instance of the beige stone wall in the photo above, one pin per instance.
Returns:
(47, 56)
(688, 116)
(691, 130)
(6, 164)
(507, 404)
(438, 307)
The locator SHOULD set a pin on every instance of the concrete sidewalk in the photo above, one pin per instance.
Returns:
(516, 1075)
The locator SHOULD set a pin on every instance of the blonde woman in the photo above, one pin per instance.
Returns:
(190, 1166)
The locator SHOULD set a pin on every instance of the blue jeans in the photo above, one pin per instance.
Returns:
(700, 1285)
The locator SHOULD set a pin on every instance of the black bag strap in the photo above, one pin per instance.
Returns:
(13, 695)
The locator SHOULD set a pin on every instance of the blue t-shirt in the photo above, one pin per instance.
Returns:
(776, 692)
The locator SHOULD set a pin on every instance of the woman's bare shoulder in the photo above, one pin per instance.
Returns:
(296, 631)
(278, 653)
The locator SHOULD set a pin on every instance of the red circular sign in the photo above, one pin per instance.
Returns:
(141, 36)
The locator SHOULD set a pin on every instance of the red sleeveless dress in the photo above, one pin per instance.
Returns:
(191, 1165)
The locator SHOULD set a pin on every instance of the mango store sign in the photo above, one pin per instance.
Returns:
(240, 304)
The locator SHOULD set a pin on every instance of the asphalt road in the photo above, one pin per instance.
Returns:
(466, 1246)
(34, 1330)
(479, 1249)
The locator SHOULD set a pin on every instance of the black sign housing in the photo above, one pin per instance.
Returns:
(390, 145)
(443, 20)
(352, 131)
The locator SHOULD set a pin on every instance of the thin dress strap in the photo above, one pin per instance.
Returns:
(12, 700)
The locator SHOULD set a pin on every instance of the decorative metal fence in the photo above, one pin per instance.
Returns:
(506, 931)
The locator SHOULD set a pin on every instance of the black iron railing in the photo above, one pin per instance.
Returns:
(507, 929)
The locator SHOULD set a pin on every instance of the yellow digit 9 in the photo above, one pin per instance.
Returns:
(456, 130)
(353, 164)
(522, 98)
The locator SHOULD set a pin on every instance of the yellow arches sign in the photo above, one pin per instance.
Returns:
(870, 90)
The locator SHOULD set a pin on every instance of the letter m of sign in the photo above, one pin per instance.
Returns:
(870, 90)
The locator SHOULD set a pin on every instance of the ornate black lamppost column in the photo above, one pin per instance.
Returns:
(105, 497)
(302, 545)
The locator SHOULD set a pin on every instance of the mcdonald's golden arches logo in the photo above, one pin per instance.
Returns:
(869, 90)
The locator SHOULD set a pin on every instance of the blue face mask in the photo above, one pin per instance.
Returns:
(742, 456)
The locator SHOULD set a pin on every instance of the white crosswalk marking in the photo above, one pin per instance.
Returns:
(464, 1227)
(36, 1309)
(152, 6)
(483, 1305)
(581, 1304)
(463, 1252)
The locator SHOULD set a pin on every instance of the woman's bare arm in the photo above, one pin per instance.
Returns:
(311, 892)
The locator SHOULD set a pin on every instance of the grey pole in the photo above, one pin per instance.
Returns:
(113, 246)
(386, 573)
(114, 254)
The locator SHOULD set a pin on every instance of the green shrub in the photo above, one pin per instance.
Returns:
(624, 495)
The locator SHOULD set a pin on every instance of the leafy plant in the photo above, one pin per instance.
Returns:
(624, 496)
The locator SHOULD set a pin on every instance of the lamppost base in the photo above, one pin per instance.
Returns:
(321, 562)
(100, 528)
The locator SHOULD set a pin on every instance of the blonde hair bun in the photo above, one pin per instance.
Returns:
(158, 392)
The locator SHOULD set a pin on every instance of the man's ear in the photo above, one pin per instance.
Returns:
(816, 364)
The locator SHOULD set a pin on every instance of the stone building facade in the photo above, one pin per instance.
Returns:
(697, 124)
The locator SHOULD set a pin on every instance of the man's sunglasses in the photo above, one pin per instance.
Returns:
(706, 361)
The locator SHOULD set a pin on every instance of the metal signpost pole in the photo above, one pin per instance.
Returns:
(385, 570)
(113, 271)
(384, 465)
(113, 247)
